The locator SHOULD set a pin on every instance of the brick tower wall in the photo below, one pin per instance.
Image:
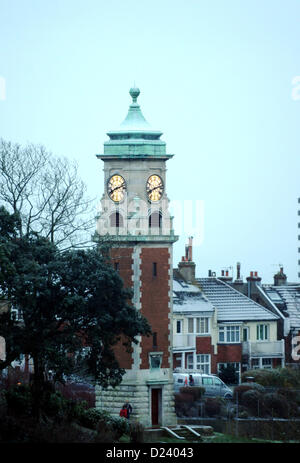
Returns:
(123, 257)
(155, 302)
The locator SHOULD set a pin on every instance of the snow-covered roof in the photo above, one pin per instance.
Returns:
(190, 299)
(288, 296)
(232, 305)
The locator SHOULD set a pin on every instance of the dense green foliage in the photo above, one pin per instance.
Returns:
(278, 377)
(63, 420)
(196, 392)
(275, 393)
(73, 305)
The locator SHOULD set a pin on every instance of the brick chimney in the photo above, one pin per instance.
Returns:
(280, 278)
(252, 280)
(187, 267)
(253, 277)
(225, 276)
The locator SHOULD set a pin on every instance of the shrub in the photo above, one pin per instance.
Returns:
(92, 418)
(258, 387)
(213, 406)
(118, 426)
(102, 422)
(75, 410)
(54, 404)
(253, 400)
(196, 392)
(278, 377)
(19, 400)
(276, 405)
(240, 390)
(184, 397)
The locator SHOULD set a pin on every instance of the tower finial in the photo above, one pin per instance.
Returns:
(134, 93)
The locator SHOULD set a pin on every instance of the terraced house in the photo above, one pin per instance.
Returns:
(216, 325)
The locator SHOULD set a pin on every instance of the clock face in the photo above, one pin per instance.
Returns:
(155, 188)
(116, 188)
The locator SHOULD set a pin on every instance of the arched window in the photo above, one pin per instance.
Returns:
(116, 220)
(155, 220)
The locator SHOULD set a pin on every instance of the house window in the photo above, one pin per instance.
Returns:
(255, 364)
(116, 266)
(262, 332)
(178, 361)
(178, 326)
(203, 363)
(198, 325)
(267, 363)
(229, 334)
(246, 334)
(190, 361)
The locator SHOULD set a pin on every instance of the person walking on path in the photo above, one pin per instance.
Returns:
(123, 412)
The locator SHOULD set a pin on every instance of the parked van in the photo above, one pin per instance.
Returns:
(214, 386)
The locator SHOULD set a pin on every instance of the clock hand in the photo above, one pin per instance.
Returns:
(116, 188)
(159, 186)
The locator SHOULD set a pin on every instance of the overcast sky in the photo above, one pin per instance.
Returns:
(219, 78)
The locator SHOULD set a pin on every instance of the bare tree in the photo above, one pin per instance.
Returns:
(48, 194)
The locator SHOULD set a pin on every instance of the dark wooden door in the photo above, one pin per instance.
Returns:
(155, 406)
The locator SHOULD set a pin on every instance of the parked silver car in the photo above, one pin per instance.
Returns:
(214, 386)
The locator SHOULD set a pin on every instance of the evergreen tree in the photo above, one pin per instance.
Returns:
(73, 307)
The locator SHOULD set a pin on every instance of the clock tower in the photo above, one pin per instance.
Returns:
(135, 219)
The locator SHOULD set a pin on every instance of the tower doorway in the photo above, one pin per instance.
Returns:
(156, 402)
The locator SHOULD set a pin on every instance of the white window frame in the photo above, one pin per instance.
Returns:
(247, 329)
(189, 364)
(179, 322)
(260, 363)
(200, 325)
(255, 367)
(269, 366)
(203, 363)
(230, 334)
(265, 333)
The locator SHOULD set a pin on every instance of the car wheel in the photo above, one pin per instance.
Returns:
(227, 396)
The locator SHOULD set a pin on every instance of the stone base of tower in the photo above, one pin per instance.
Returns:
(152, 398)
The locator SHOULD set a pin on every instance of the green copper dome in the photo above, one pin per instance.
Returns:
(135, 138)
(135, 123)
